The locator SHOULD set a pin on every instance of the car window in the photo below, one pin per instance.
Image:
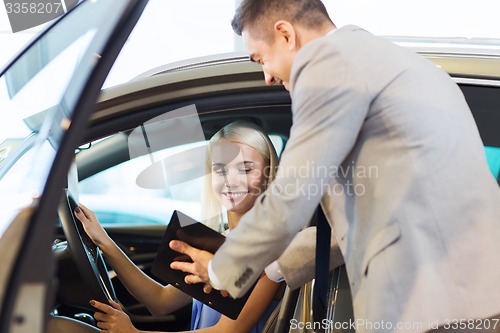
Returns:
(117, 198)
(493, 158)
(37, 96)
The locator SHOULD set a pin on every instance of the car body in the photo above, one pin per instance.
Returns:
(36, 165)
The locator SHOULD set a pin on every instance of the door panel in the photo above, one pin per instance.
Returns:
(49, 90)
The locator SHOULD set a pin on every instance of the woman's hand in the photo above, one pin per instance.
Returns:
(112, 319)
(92, 226)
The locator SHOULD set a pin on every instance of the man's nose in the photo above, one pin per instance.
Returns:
(269, 79)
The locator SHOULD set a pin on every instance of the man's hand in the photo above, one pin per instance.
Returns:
(198, 269)
(208, 289)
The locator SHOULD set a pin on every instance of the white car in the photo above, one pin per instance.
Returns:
(51, 105)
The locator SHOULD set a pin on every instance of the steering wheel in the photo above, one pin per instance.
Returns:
(87, 257)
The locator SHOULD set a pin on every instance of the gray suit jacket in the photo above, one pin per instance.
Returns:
(298, 261)
(386, 141)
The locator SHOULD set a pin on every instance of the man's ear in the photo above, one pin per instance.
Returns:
(285, 31)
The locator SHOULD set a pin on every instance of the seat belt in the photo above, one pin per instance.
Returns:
(323, 240)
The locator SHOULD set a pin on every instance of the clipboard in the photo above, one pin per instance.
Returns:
(196, 234)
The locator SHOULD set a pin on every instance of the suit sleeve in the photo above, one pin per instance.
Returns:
(297, 263)
(330, 104)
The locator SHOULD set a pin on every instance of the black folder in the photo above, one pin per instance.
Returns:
(184, 228)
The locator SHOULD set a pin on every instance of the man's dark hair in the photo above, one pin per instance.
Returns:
(261, 14)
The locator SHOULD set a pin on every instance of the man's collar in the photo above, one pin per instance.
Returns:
(331, 31)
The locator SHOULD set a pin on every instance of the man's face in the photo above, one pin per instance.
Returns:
(276, 57)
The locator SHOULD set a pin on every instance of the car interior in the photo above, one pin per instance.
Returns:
(107, 145)
(140, 242)
(105, 174)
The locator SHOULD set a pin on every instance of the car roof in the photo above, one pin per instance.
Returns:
(211, 81)
(458, 58)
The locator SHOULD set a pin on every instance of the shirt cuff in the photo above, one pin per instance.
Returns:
(212, 278)
(273, 272)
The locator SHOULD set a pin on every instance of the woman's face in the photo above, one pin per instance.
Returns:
(238, 175)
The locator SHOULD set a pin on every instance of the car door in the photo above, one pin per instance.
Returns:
(46, 96)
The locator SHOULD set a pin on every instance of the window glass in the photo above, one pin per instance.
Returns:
(37, 97)
(116, 197)
(493, 158)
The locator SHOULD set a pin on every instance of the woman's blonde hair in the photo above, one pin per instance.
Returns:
(237, 132)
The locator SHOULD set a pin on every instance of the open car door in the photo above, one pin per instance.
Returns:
(46, 96)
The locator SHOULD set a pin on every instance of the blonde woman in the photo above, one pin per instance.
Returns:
(242, 161)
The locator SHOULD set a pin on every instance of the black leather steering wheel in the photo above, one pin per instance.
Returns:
(86, 255)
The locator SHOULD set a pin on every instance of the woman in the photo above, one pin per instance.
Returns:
(242, 161)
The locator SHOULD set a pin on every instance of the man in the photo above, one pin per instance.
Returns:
(392, 152)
